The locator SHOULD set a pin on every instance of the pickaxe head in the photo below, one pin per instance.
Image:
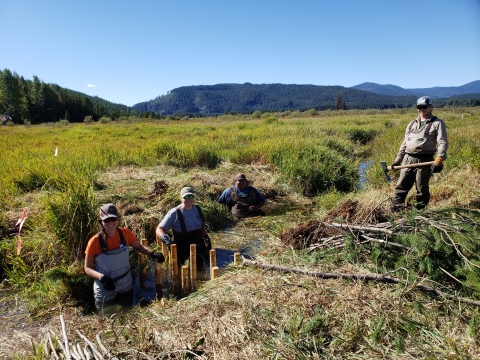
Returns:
(384, 168)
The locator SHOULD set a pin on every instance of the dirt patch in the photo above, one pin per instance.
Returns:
(346, 211)
(8, 228)
(126, 209)
(159, 188)
(350, 211)
(306, 234)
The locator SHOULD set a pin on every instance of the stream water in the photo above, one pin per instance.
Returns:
(362, 173)
(144, 284)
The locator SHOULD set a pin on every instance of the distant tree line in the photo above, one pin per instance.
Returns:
(34, 101)
(248, 98)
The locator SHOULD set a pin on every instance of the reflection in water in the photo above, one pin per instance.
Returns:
(144, 288)
(362, 173)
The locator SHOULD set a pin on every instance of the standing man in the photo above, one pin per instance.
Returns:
(424, 136)
(242, 199)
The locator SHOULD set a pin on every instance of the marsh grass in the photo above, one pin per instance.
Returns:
(246, 313)
(70, 214)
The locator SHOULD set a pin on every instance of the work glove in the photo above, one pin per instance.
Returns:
(166, 239)
(208, 242)
(397, 162)
(158, 256)
(108, 282)
(437, 166)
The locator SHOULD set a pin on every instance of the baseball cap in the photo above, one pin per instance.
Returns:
(108, 211)
(424, 100)
(187, 190)
(240, 177)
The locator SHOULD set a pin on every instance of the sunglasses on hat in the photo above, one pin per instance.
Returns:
(189, 197)
(422, 107)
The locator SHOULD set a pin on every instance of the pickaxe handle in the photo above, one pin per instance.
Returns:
(411, 165)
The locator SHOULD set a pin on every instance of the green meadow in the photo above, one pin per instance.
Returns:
(306, 164)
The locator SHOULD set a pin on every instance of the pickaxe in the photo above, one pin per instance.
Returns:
(386, 168)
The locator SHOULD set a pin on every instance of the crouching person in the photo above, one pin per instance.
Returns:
(242, 199)
(107, 257)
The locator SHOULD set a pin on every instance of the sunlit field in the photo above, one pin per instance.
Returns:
(307, 165)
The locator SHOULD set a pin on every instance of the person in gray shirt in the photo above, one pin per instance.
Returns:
(187, 223)
(424, 136)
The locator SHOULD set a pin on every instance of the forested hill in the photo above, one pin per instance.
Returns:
(36, 102)
(244, 98)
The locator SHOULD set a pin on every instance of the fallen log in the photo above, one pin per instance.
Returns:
(363, 277)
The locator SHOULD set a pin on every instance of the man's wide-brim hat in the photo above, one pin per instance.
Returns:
(108, 211)
(240, 177)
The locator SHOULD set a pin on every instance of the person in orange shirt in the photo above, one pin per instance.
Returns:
(107, 257)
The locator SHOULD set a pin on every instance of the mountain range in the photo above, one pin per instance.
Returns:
(247, 98)
(437, 92)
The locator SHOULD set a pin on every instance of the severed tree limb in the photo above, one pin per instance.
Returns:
(322, 275)
(80, 352)
(103, 348)
(51, 345)
(65, 338)
(59, 342)
(362, 228)
(97, 353)
(389, 243)
(364, 277)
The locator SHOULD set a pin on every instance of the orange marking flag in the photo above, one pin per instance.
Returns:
(20, 222)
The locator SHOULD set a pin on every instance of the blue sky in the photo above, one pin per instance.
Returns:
(133, 51)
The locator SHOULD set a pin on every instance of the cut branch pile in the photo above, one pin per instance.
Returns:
(383, 232)
(57, 349)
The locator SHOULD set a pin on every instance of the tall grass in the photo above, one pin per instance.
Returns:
(71, 215)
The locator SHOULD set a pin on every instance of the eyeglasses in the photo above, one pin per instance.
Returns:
(109, 220)
(422, 107)
(189, 197)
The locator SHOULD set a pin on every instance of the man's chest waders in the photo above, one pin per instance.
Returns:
(185, 238)
(113, 263)
(241, 204)
(416, 139)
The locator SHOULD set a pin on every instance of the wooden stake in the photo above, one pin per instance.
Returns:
(215, 272)
(193, 265)
(173, 255)
(165, 251)
(237, 259)
(158, 279)
(213, 261)
(185, 279)
(143, 260)
(177, 284)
